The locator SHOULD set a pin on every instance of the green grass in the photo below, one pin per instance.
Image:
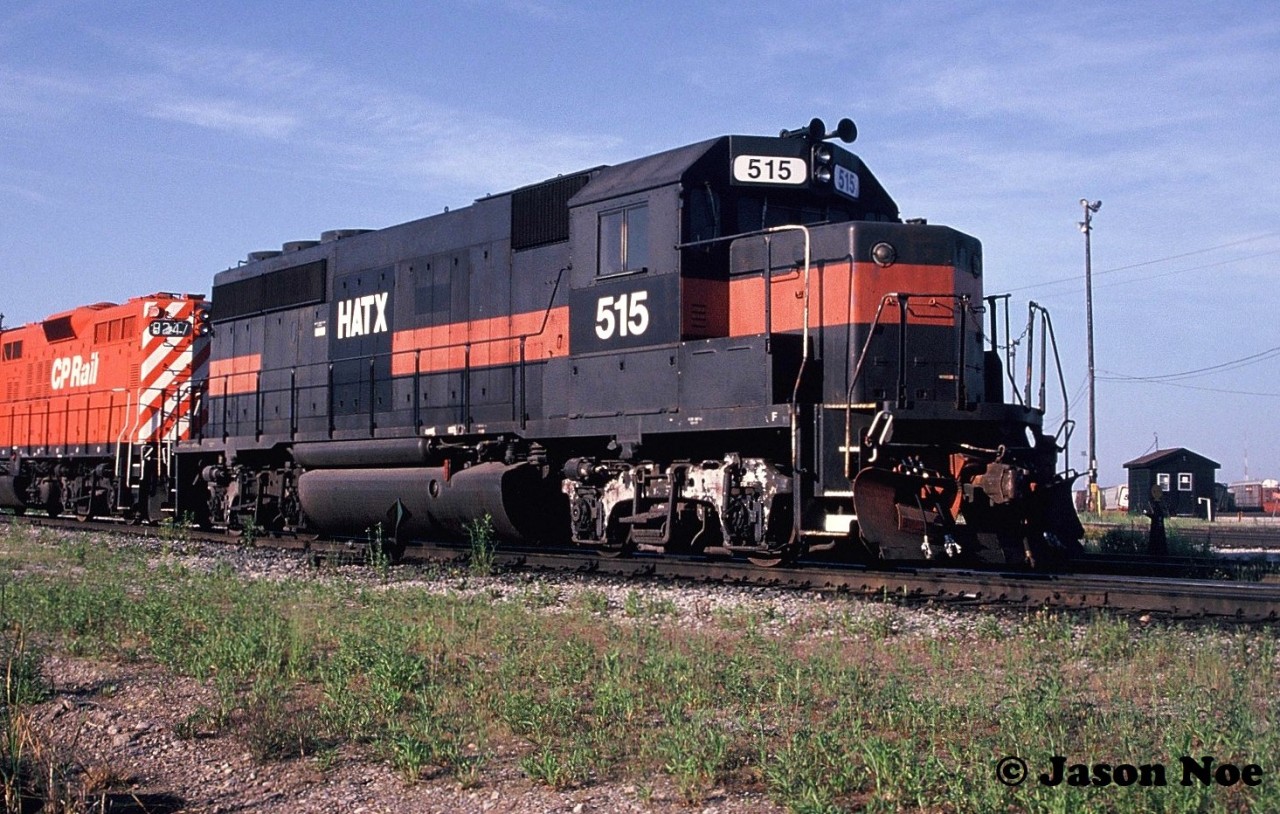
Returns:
(847, 711)
(29, 776)
(1133, 539)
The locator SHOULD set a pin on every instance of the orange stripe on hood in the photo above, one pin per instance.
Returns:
(493, 342)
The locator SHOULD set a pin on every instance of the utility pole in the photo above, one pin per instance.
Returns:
(1086, 226)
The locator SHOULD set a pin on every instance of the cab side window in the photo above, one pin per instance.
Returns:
(624, 240)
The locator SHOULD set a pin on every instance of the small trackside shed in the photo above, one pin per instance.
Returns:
(1184, 476)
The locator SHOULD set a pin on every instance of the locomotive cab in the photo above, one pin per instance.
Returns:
(802, 296)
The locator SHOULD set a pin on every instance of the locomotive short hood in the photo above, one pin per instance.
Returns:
(710, 162)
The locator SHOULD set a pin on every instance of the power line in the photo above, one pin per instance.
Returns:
(1117, 269)
(1191, 253)
(1234, 364)
(1190, 268)
(1072, 401)
(1122, 379)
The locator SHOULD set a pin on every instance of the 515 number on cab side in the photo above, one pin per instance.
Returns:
(627, 313)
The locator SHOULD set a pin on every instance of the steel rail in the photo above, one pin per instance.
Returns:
(1174, 598)
(1177, 598)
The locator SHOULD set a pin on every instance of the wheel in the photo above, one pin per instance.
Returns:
(51, 496)
(765, 561)
(617, 541)
(613, 552)
(787, 555)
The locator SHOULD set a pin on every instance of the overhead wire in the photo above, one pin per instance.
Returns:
(1112, 283)
(1073, 400)
(1173, 379)
(1117, 269)
(1127, 379)
(1234, 364)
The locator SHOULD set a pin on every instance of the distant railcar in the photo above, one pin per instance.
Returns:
(92, 402)
(1255, 496)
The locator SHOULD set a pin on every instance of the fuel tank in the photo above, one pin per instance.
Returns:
(12, 488)
(432, 503)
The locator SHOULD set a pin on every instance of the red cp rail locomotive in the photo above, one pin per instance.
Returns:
(735, 346)
(94, 401)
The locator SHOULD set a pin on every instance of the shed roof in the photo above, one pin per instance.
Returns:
(1162, 455)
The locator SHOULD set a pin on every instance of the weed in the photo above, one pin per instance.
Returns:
(380, 553)
(326, 758)
(467, 770)
(249, 532)
(411, 754)
(540, 596)
(480, 534)
(882, 721)
(811, 771)
(29, 772)
(874, 621)
(1133, 540)
(594, 601)
(204, 722)
(177, 530)
(1050, 627)
(695, 754)
(273, 730)
(637, 606)
(1107, 639)
(558, 768)
(990, 628)
(24, 684)
(644, 793)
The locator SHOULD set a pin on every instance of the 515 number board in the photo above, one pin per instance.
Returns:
(629, 312)
(756, 161)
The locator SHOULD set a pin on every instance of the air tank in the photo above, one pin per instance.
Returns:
(12, 488)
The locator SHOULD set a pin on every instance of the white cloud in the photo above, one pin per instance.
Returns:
(27, 194)
(326, 117)
(227, 115)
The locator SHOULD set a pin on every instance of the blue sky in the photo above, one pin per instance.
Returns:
(145, 146)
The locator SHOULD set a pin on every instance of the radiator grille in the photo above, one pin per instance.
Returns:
(275, 291)
(540, 214)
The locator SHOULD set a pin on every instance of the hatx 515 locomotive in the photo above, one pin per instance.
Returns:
(733, 347)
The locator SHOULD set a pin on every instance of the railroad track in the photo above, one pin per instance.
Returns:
(1163, 596)
(1224, 536)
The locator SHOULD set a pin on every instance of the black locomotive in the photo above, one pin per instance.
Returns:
(735, 347)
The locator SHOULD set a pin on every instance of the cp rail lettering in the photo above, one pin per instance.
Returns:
(73, 371)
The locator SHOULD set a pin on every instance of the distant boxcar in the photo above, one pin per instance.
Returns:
(1256, 496)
